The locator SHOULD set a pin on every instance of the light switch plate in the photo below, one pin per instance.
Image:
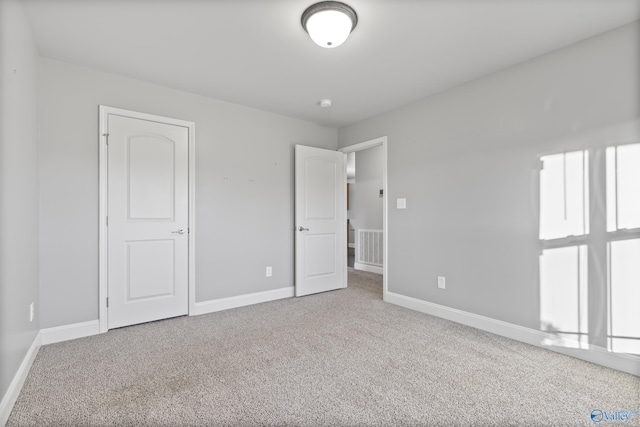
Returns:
(401, 203)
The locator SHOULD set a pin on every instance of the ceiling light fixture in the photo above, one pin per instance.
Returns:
(326, 103)
(329, 23)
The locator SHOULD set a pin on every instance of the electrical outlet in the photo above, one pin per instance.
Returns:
(32, 312)
(441, 282)
(269, 272)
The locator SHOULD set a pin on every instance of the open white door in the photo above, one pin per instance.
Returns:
(321, 241)
(148, 220)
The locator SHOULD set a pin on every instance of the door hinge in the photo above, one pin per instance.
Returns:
(107, 220)
(107, 302)
(106, 138)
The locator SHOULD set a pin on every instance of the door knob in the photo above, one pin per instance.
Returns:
(181, 231)
(301, 228)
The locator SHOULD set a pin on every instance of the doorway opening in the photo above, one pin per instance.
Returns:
(367, 235)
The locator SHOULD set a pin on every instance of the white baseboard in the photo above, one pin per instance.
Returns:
(205, 307)
(70, 332)
(367, 267)
(10, 397)
(598, 355)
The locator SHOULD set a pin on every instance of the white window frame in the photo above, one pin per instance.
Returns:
(615, 235)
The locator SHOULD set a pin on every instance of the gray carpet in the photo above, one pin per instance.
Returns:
(337, 358)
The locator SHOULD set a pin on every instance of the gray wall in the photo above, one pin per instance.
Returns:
(18, 189)
(244, 187)
(467, 160)
(365, 201)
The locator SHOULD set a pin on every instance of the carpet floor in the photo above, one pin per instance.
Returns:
(336, 358)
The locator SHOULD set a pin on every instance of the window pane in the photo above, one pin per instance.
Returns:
(612, 212)
(624, 265)
(564, 195)
(628, 186)
(563, 290)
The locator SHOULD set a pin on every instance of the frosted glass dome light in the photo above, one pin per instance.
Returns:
(329, 23)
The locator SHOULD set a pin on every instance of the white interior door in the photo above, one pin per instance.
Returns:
(147, 229)
(321, 241)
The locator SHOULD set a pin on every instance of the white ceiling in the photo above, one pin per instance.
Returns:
(255, 52)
